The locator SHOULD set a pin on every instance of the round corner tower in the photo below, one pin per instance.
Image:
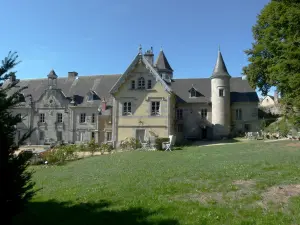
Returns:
(220, 98)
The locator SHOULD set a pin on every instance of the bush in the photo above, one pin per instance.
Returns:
(92, 146)
(60, 154)
(130, 143)
(106, 147)
(159, 141)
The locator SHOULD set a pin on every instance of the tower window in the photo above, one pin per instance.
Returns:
(221, 93)
(141, 83)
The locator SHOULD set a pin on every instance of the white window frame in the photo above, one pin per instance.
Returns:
(82, 118)
(107, 136)
(155, 112)
(42, 117)
(141, 83)
(127, 108)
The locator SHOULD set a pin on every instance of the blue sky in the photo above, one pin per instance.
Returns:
(102, 37)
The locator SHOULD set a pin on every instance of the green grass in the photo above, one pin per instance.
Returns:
(195, 185)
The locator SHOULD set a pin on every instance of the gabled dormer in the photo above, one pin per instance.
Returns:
(194, 93)
(92, 96)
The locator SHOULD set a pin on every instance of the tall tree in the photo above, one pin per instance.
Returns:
(274, 59)
(16, 187)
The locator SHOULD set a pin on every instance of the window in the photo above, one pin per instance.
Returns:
(82, 118)
(126, 108)
(221, 92)
(247, 127)
(179, 114)
(149, 84)
(238, 114)
(42, 117)
(93, 118)
(93, 135)
(42, 135)
(80, 136)
(59, 117)
(133, 84)
(193, 92)
(155, 108)
(108, 136)
(203, 113)
(141, 83)
(179, 128)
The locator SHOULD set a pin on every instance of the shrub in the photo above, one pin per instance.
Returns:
(92, 146)
(130, 143)
(159, 141)
(106, 147)
(60, 154)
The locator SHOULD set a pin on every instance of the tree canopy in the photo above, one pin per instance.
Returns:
(274, 59)
(16, 186)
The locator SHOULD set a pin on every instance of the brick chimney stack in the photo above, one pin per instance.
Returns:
(103, 106)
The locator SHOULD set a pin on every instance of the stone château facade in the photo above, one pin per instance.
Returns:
(143, 102)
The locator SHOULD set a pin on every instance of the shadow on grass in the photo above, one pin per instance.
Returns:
(66, 213)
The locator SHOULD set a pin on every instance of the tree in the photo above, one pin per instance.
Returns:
(16, 187)
(274, 59)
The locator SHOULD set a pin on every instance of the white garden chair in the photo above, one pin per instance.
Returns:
(170, 144)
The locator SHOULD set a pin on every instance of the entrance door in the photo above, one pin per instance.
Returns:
(140, 135)
(204, 133)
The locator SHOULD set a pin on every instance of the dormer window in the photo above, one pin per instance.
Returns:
(194, 93)
(92, 96)
(141, 83)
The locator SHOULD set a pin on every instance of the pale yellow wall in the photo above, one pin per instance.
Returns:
(141, 107)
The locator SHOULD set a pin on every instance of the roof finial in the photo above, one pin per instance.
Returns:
(140, 49)
(161, 48)
(219, 49)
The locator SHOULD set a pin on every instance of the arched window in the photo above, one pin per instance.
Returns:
(141, 83)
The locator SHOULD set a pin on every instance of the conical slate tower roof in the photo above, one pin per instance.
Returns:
(52, 75)
(220, 69)
(162, 62)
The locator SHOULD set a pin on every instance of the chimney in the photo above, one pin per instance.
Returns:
(103, 106)
(276, 97)
(12, 78)
(72, 74)
(149, 55)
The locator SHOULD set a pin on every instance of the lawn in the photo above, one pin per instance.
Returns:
(242, 183)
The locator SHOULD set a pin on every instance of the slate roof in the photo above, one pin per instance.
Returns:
(162, 62)
(220, 69)
(102, 84)
(80, 87)
(239, 88)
